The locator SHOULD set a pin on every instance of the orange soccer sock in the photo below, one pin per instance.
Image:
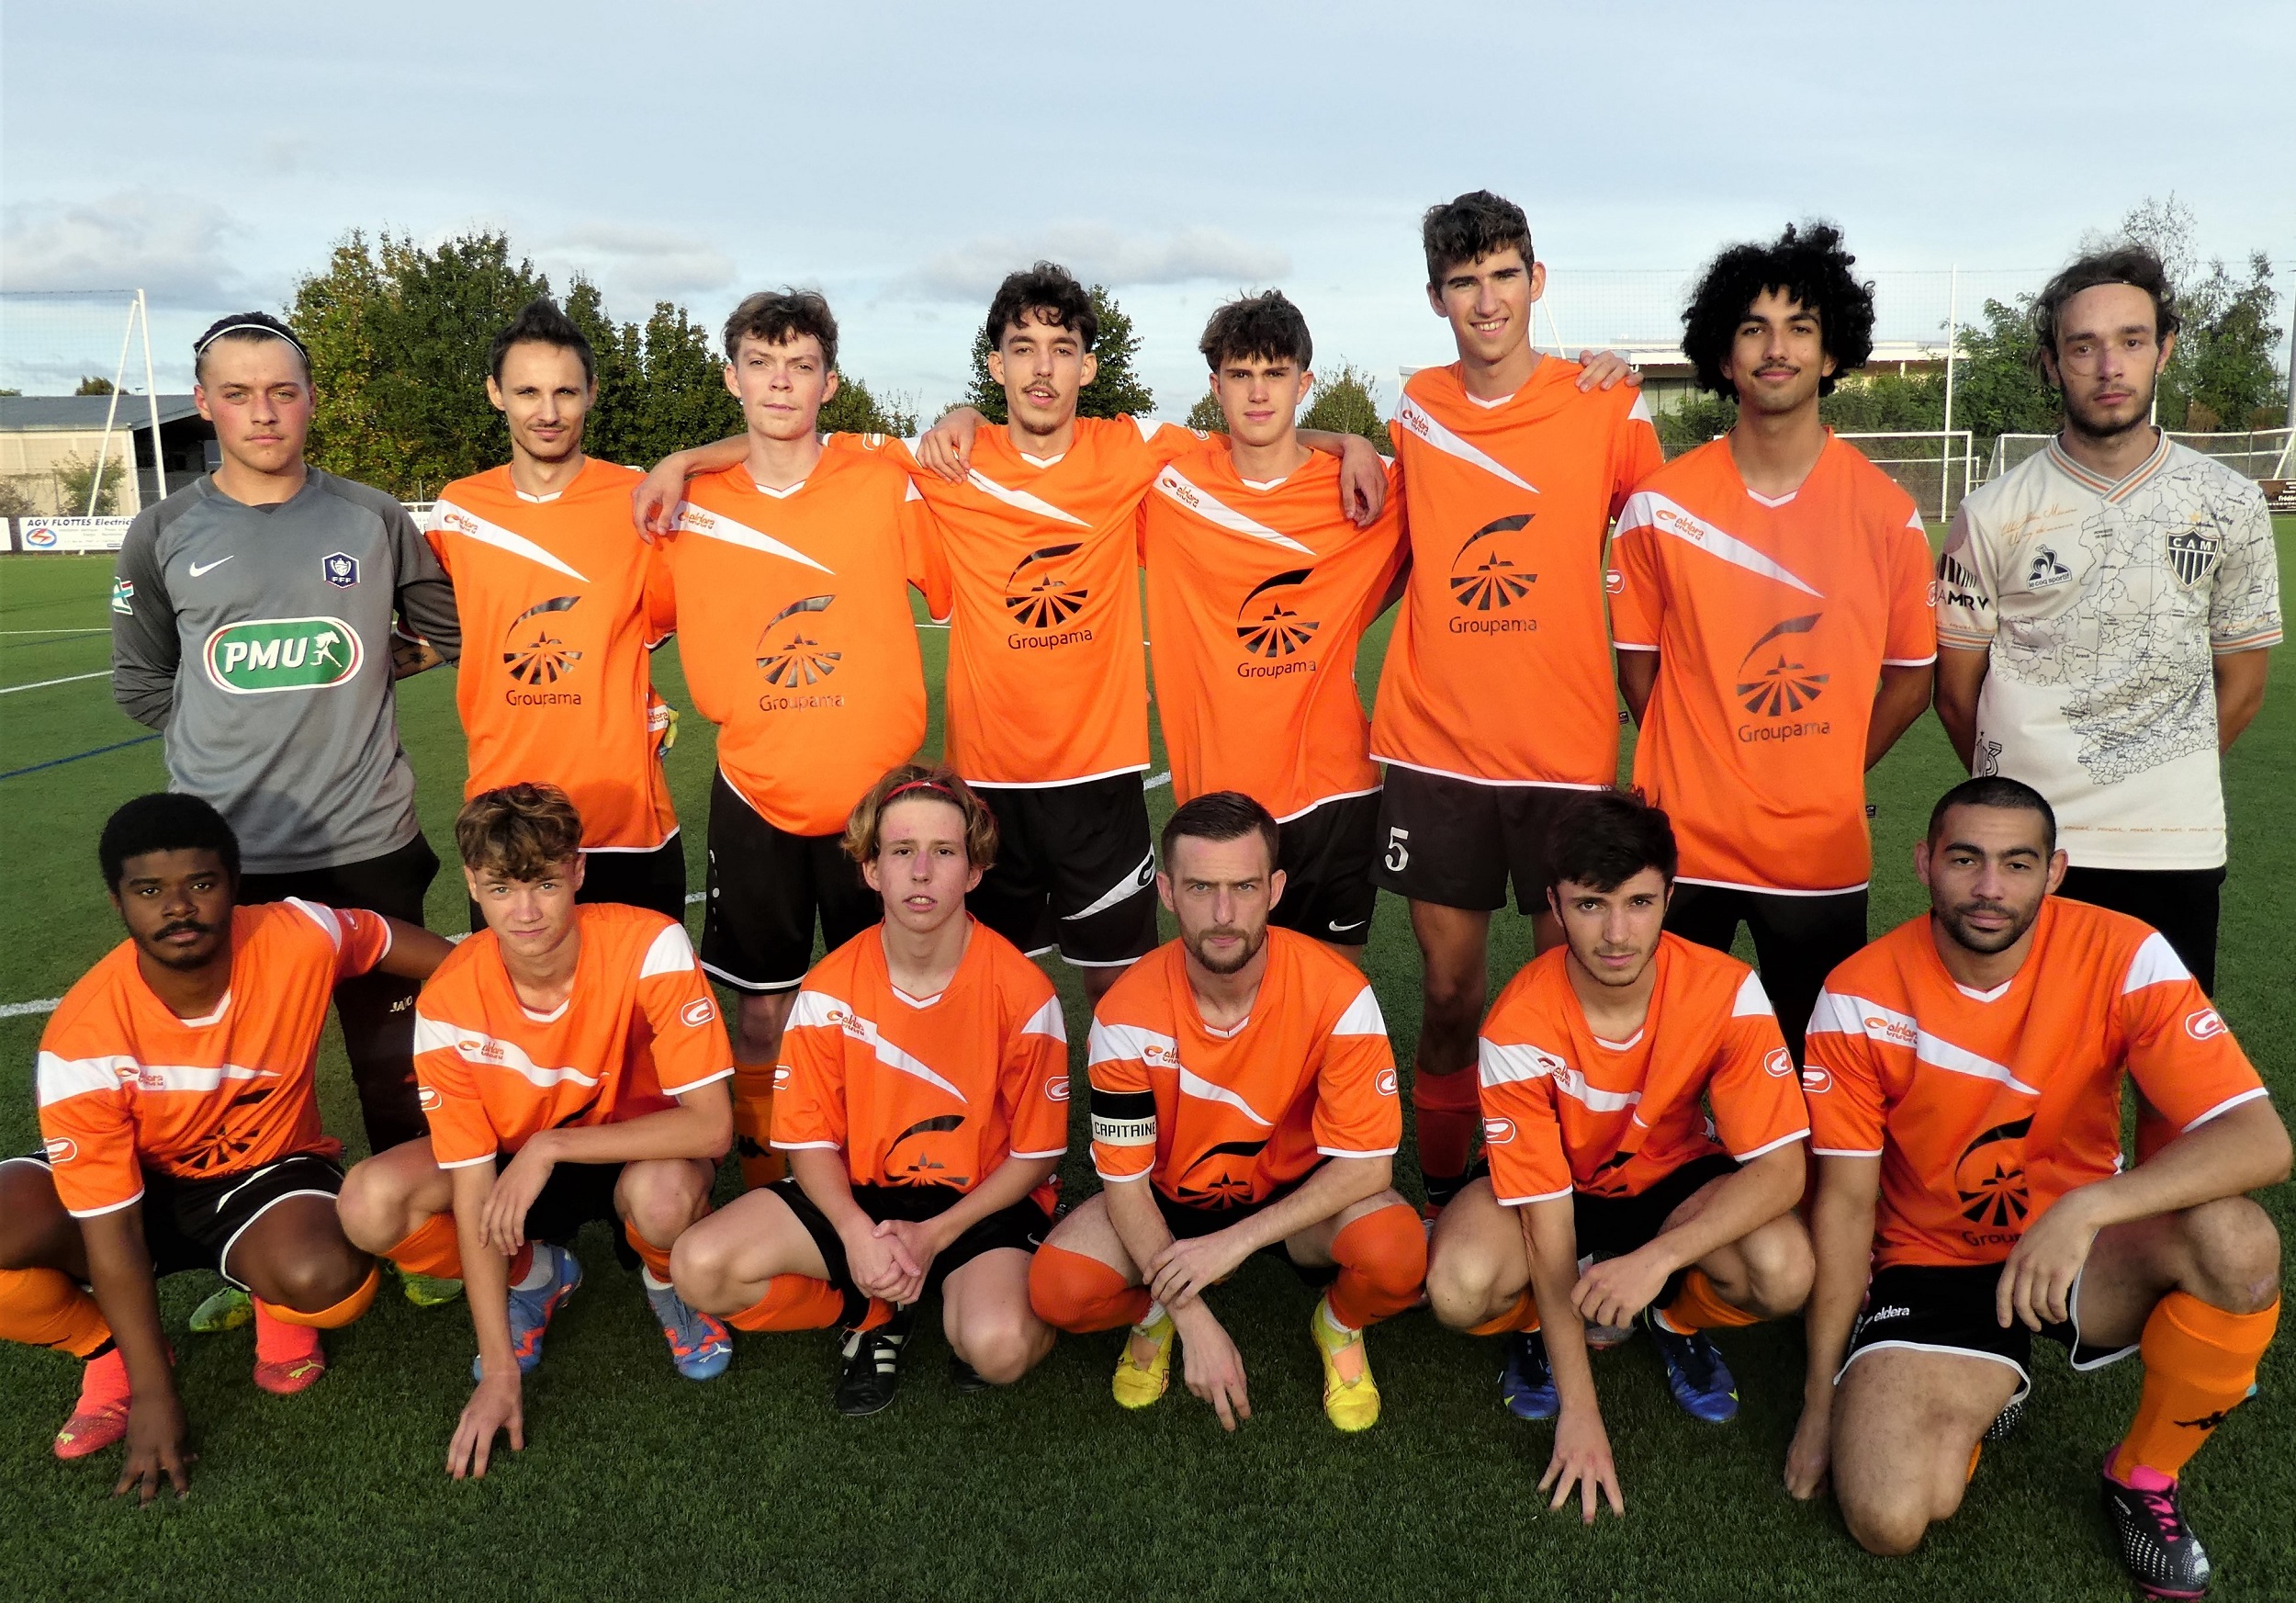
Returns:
(753, 1126)
(656, 1258)
(2200, 1363)
(332, 1318)
(791, 1302)
(46, 1307)
(432, 1248)
(1076, 1292)
(1382, 1259)
(1698, 1307)
(1448, 1107)
(278, 1341)
(1522, 1314)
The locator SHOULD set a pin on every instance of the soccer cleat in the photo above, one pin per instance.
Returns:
(428, 1290)
(227, 1310)
(965, 1378)
(700, 1345)
(284, 1377)
(868, 1369)
(1351, 1405)
(1137, 1387)
(100, 1418)
(2004, 1423)
(530, 1310)
(2157, 1548)
(1525, 1385)
(1696, 1373)
(1602, 1338)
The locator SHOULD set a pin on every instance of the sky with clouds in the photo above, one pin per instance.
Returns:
(902, 157)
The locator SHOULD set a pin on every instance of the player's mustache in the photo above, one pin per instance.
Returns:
(185, 927)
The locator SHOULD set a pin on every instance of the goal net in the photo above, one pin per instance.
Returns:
(2260, 454)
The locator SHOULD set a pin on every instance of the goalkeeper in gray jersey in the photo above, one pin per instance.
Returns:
(252, 625)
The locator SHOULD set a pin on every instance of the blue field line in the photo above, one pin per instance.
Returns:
(59, 762)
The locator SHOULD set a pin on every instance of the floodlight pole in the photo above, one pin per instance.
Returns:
(152, 393)
(1945, 435)
(111, 411)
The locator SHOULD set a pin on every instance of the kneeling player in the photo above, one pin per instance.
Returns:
(922, 1097)
(572, 1067)
(1245, 1074)
(1595, 1066)
(180, 1113)
(1964, 1078)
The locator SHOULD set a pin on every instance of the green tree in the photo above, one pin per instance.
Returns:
(1700, 417)
(2224, 372)
(1207, 415)
(1346, 401)
(855, 408)
(93, 385)
(1998, 388)
(76, 475)
(1116, 391)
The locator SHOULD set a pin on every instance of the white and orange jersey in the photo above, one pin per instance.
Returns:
(560, 603)
(1499, 670)
(1773, 620)
(1047, 680)
(794, 628)
(1564, 1110)
(639, 1029)
(1986, 1107)
(935, 1091)
(1258, 594)
(1219, 1118)
(124, 1085)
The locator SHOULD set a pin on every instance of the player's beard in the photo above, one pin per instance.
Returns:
(2080, 420)
(1248, 949)
(196, 957)
(1987, 942)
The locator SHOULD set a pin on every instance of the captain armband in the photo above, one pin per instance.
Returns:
(1123, 1118)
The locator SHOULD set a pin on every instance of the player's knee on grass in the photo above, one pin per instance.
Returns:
(702, 1265)
(1001, 1339)
(2234, 1254)
(311, 1279)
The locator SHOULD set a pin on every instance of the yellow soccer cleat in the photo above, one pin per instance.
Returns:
(1350, 1405)
(1134, 1386)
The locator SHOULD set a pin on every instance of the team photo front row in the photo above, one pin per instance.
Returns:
(1938, 1181)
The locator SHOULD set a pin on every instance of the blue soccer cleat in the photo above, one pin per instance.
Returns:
(1526, 1386)
(530, 1310)
(700, 1345)
(1696, 1373)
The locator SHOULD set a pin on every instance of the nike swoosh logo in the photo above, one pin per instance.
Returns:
(197, 568)
(1339, 929)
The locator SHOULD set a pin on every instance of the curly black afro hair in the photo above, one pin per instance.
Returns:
(1806, 263)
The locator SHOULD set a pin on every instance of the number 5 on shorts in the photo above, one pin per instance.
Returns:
(1398, 848)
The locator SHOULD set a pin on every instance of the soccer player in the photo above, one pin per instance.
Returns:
(179, 1117)
(1771, 603)
(1259, 589)
(924, 1107)
(1496, 699)
(1638, 1108)
(572, 1063)
(1242, 1101)
(1964, 1083)
(543, 567)
(252, 623)
(2104, 610)
(1047, 688)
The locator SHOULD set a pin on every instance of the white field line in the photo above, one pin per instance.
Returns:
(54, 631)
(67, 679)
(17, 1010)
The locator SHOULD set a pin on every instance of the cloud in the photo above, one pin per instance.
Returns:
(645, 263)
(1099, 254)
(169, 245)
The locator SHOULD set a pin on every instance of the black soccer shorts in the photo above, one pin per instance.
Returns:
(193, 1224)
(1457, 844)
(1075, 871)
(1023, 1225)
(766, 888)
(1327, 854)
(1949, 1308)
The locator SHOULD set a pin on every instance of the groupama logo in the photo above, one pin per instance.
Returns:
(537, 655)
(1271, 627)
(1037, 594)
(266, 655)
(1485, 577)
(1783, 687)
(796, 658)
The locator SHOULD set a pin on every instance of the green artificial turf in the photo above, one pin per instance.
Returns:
(636, 1483)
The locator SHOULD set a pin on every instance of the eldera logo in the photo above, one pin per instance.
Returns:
(265, 654)
(1270, 629)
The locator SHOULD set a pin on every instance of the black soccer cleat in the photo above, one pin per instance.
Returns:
(2006, 1422)
(964, 1377)
(868, 1369)
(2157, 1548)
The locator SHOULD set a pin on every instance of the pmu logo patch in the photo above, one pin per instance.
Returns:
(1266, 622)
(1487, 574)
(338, 568)
(1039, 594)
(1785, 685)
(1990, 1177)
(532, 649)
(267, 655)
(795, 657)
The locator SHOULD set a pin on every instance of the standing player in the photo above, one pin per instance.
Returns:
(793, 568)
(251, 622)
(570, 1057)
(1761, 585)
(1599, 1063)
(1497, 694)
(1259, 589)
(179, 1113)
(2104, 610)
(545, 574)
(924, 1106)
(1964, 1078)
(1243, 1073)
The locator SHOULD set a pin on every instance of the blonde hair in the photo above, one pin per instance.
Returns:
(864, 831)
(520, 831)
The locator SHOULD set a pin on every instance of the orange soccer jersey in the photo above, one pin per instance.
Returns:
(1220, 1119)
(1984, 1109)
(794, 628)
(1772, 621)
(639, 1029)
(1047, 682)
(1257, 597)
(124, 1085)
(1499, 670)
(560, 601)
(925, 1091)
(1564, 1110)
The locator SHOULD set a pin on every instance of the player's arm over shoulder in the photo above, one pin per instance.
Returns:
(420, 589)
